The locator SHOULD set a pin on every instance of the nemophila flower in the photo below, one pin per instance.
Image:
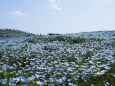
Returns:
(5, 66)
(91, 62)
(60, 81)
(64, 80)
(49, 69)
(101, 72)
(57, 62)
(3, 81)
(105, 66)
(39, 83)
(51, 84)
(20, 78)
(88, 71)
(38, 75)
(31, 78)
(113, 75)
(11, 55)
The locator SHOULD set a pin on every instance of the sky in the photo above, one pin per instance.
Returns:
(57, 16)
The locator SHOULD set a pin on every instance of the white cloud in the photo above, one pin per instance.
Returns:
(55, 4)
(17, 14)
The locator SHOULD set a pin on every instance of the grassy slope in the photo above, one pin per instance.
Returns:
(12, 33)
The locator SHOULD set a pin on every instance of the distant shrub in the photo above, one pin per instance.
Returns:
(94, 39)
(1, 35)
(54, 38)
(112, 43)
(71, 59)
(52, 34)
(69, 39)
(113, 55)
(36, 39)
(60, 38)
(1, 53)
(28, 34)
(73, 40)
(79, 40)
(33, 40)
(89, 54)
(113, 35)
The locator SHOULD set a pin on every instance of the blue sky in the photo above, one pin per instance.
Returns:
(57, 16)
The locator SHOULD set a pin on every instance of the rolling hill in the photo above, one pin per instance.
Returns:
(13, 33)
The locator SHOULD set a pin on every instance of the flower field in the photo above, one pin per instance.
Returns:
(83, 59)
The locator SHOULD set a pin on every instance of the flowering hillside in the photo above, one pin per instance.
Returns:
(81, 59)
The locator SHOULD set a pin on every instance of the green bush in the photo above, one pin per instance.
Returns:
(73, 40)
(33, 40)
(113, 35)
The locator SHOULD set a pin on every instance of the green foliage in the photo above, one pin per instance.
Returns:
(89, 54)
(113, 34)
(33, 40)
(47, 76)
(61, 38)
(1, 53)
(94, 40)
(113, 55)
(113, 43)
(71, 59)
(73, 40)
